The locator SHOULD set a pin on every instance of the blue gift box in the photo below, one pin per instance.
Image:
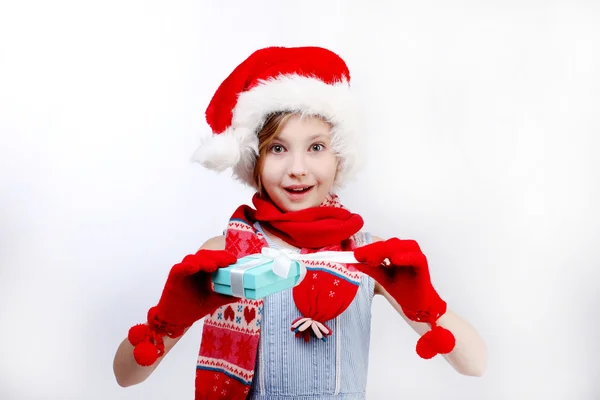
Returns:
(252, 277)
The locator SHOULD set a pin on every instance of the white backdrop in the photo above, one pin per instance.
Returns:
(483, 120)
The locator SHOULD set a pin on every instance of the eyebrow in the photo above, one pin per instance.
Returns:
(319, 135)
(311, 138)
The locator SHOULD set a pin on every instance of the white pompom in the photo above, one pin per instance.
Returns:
(218, 152)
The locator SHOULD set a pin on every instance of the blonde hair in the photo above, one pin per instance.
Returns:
(266, 135)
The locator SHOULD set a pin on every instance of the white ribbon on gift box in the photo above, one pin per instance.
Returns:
(282, 263)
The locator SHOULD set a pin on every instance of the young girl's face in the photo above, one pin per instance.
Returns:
(299, 167)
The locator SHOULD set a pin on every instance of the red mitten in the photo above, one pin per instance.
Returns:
(401, 269)
(186, 298)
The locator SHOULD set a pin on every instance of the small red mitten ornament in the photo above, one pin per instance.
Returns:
(326, 291)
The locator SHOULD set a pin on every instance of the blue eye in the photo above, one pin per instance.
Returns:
(318, 147)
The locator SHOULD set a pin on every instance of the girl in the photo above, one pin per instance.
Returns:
(284, 121)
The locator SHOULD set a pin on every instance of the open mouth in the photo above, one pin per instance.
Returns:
(298, 189)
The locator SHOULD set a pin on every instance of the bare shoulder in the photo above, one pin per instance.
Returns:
(376, 239)
(214, 243)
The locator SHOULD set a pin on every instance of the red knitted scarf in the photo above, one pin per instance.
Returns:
(231, 334)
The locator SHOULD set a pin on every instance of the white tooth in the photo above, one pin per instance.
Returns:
(299, 189)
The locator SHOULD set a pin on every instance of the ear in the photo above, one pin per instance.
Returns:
(338, 167)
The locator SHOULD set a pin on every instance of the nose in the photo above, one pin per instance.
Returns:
(298, 165)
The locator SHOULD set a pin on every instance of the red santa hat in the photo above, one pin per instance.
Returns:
(305, 80)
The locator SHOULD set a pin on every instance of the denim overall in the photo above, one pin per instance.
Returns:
(289, 368)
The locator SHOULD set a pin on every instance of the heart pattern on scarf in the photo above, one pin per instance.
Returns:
(229, 314)
(334, 226)
(249, 314)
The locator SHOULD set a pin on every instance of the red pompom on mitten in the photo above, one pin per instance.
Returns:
(437, 341)
(401, 269)
(186, 298)
(138, 333)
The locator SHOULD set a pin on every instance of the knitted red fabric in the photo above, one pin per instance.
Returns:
(401, 268)
(230, 337)
(186, 298)
(332, 222)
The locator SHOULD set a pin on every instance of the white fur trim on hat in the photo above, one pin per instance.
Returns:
(237, 146)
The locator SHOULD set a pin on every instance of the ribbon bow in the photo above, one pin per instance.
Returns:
(283, 260)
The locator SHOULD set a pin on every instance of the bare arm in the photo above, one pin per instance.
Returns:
(127, 371)
(469, 356)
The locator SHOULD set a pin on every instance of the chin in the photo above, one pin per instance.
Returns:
(292, 206)
(298, 207)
